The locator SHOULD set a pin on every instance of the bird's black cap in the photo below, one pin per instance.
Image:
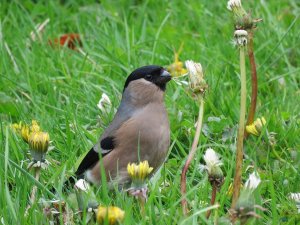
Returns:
(155, 74)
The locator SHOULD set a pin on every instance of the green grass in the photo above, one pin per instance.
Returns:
(60, 88)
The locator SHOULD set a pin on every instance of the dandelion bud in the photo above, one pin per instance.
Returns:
(256, 127)
(38, 143)
(240, 38)
(112, 214)
(197, 82)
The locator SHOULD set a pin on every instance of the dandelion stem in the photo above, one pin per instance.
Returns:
(213, 199)
(240, 137)
(191, 156)
(283, 160)
(252, 109)
(34, 189)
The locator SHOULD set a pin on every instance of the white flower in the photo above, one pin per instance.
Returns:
(82, 185)
(195, 69)
(253, 181)
(211, 159)
(240, 37)
(233, 3)
(295, 197)
(197, 82)
(104, 103)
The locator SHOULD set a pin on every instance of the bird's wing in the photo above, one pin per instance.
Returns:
(106, 142)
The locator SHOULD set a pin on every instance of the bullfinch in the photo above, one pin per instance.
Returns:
(139, 131)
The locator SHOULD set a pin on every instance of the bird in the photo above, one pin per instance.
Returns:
(139, 131)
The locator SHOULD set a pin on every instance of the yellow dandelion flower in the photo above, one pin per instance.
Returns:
(176, 69)
(256, 127)
(113, 214)
(39, 141)
(139, 172)
(25, 133)
(230, 190)
(34, 126)
(17, 127)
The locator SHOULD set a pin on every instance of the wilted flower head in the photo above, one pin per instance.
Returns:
(253, 181)
(213, 164)
(139, 172)
(82, 185)
(197, 82)
(245, 207)
(241, 18)
(104, 103)
(256, 127)
(113, 214)
(240, 38)
(234, 4)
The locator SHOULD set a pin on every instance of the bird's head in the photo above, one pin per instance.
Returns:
(154, 74)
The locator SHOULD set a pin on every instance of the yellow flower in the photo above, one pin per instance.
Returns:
(34, 126)
(256, 127)
(25, 133)
(113, 214)
(24, 130)
(39, 141)
(139, 172)
(176, 69)
(17, 127)
(230, 189)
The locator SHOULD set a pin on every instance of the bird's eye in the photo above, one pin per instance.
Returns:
(148, 77)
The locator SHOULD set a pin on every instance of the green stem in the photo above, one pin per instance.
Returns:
(240, 137)
(191, 156)
(282, 160)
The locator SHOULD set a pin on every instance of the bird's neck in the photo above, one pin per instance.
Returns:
(142, 92)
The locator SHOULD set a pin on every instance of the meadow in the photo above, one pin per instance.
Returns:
(60, 88)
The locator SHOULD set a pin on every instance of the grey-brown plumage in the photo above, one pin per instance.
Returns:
(139, 131)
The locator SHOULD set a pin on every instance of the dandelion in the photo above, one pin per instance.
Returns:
(215, 174)
(256, 127)
(253, 181)
(296, 198)
(112, 214)
(196, 76)
(198, 86)
(176, 69)
(39, 141)
(104, 103)
(84, 195)
(240, 38)
(242, 19)
(139, 172)
(245, 206)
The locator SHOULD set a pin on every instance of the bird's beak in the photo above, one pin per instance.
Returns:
(165, 76)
